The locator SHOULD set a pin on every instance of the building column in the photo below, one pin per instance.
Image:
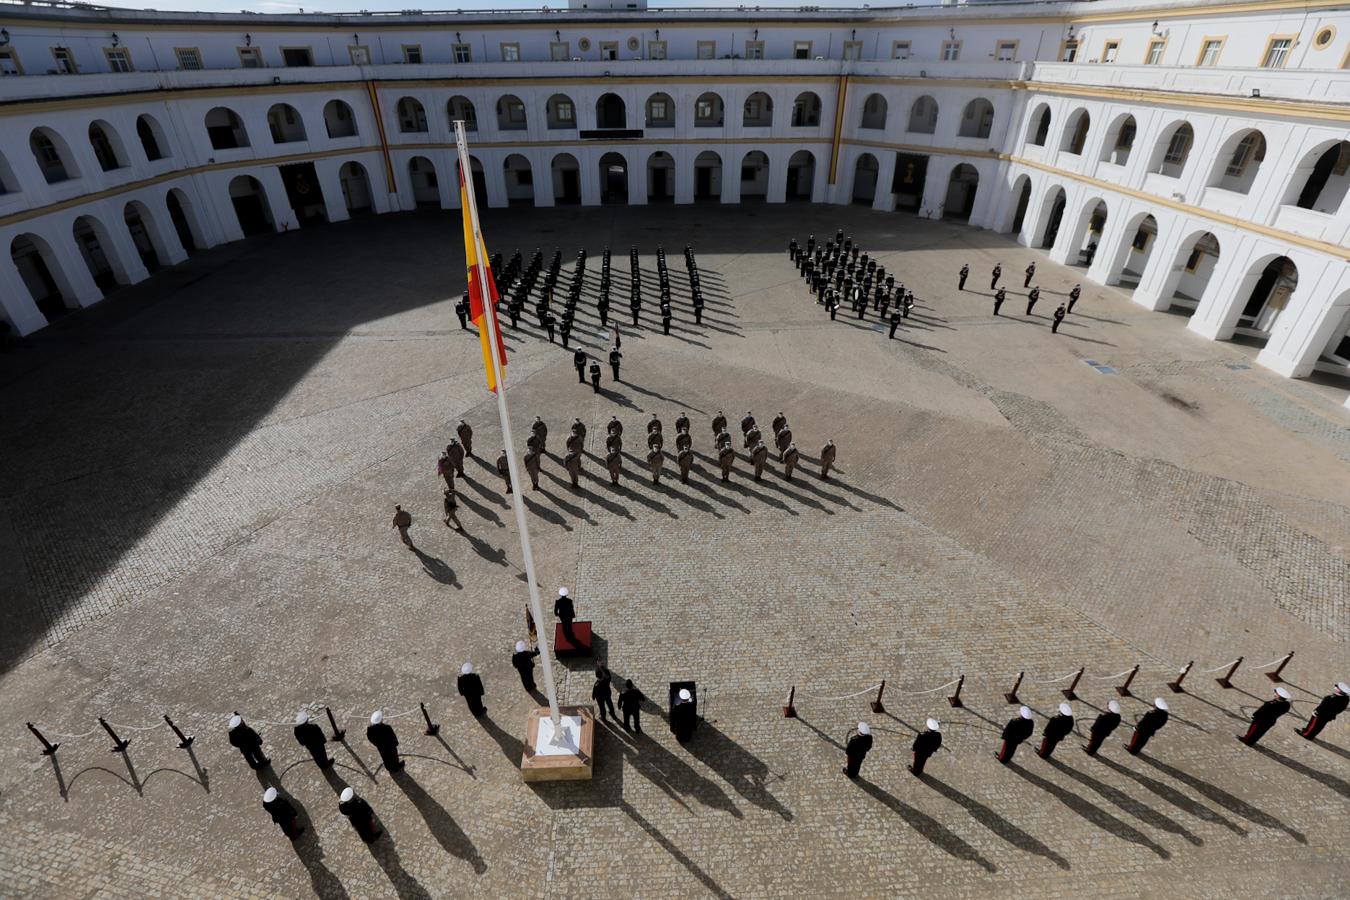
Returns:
(883, 199)
(1110, 246)
(589, 175)
(1216, 315)
(731, 182)
(78, 284)
(637, 182)
(283, 217)
(1161, 264)
(125, 258)
(778, 175)
(17, 301)
(335, 204)
(1304, 329)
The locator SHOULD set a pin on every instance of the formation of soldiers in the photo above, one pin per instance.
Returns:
(450, 464)
(1022, 726)
(1033, 295)
(840, 272)
(519, 282)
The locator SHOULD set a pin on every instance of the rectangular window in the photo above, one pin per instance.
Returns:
(1277, 52)
(1068, 51)
(412, 54)
(1005, 51)
(461, 53)
(1109, 51)
(707, 50)
(900, 50)
(656, 49)
(296, 56)
(250, 57)
(119, 59)
(951, 50)
(754, 49)
(510, 52)
(1153, 55)
(853, 49)
(1178, 147)
(753, 109)
(703, 110)
(360, 54)
(189, 58)
(65, 61)
(609, 50)
(801, 49)
(657, 110)
(1210, 49)
(559, 51)
(9, 62)
(566, 112)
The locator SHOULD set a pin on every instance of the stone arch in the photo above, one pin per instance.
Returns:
(462, 108)
(225, 129)
(660, 177)
(611, 111)
(518, 176)
(511, 113)
(96, 247)
(426, 187)
(1085, 237)
(411, 116)
(977, 119)
(153, 140)
(1119, 143)
(355, 184)
(1321, 180)
(249, 199)
(9, 184)
(184, 219)
(1074, 138)
(806, 110)
(1021, 189)
(865, 173)
(107, 145)
(1239, 161)
(53, 156)
(923, 116)
(145, 235)
(1265, 292)
(709, 111)
(285, 124)
(755, 175)
(801, 175)
(962, 186)
(660, 111)
(1038, 129)
(1050, 217)
(566, 174)
(874, 111)
(1191, 272)
(708, 176)
(757, 111)
(338, 119)
(40, 270)
(560, 112)
(1130, 262)
(1172, 150)
(613, 178)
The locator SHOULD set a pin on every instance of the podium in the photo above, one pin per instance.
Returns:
(562, 647)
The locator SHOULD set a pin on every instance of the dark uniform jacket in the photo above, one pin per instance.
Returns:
(563, 608)
(1058, 728)
(281, 810)
(244, 737)
(858, 745)
(1105, 724)
(469, 685)
(524, 661)
(382, 736)
(1270, 710)
(1332, 705)
(927, 743)
(630, 700)
(309, 735)
(1151, 721)
(1018, 730)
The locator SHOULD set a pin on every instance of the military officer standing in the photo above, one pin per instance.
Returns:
(1018, 729)
(1032, 298)
(759, 455)
(962, 276)
(685, 459)
(385, 740)
(1266, 716)
(1332, 705)
(993, 280)
(926, 743)
(614, 462)
(655, 460)
(615, 358)
(532, 465)
(827, 454)
(682, 423)
(359, 813)
(539, 429)
(454, 451)
(504, 470)
(1056, 730)
(856, 747)
(896, 318)
(465, 432)
(630, 704)
(781, 439)
(747, 422)
(725, 458)
(470, 687)
(790, 457)
(579, 361)
(248, 742)
(1074, 293)
(310, 736)
(1030, 273)
(572, 462)
(595, 376)
(719, 423)
(1102, 727)
(283, 813)
(566, 612)
(999, 297)
(1148, 725)
(522, 660)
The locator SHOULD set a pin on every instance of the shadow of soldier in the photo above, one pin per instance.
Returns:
(310, 853)
(746, 773)
(935, 832)
(1233, 804)
(386, 854)
(1000, 826)
(1099, 817)
(704, 878)
(1140, 811)
(440, 823)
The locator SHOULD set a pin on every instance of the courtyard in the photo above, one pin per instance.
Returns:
(199, 475)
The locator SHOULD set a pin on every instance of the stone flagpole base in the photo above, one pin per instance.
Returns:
(569, 760)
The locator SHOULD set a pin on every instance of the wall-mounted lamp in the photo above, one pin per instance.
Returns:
(458, 39)
(248, 40)
(952, 33)
(4, 36)
(356, 39)
(756, 34)
(658, 34)
(115, 39)
(557, 36)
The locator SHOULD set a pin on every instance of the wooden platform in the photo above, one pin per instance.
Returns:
(541, 762)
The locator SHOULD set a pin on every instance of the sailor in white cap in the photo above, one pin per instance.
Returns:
(856, 746)
(282, 812)
(470, 687)
(1332, 705)
(926, 743)
(566, 612)
(382, 735)
(1147, 726)
(1057, 729)
(1102, 727)
(683, 715)
(1266, 716)
(1018, 729)
(359, 813)
(248, 741)
(310, 736)
(523, 662)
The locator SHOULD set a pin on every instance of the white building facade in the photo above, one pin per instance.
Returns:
(1195, 154)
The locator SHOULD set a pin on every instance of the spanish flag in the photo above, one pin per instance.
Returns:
(478, 309)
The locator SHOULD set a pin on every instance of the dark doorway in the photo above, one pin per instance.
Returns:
(1056, 216)
(180, 222)
(38, 278)
(1023, 199)
(659, 190)
(304, 193)
(479, 185)
(911, 171)
(703, 183)
(571, 186)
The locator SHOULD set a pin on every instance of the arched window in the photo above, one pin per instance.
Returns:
(52, 155)
(1239, 160)
(338, 119)
(758, 111)
(511, 113)
(660, 111)
(1321, 180)
(1173, 150)
(708, 111)
(225, 129)
(461, 108)
(559, 112)
(1120, 141)
(1076, 132)
(874, 112)
(285, 124)
(806, 110)
(977, 120)
(153, 142)
(1040, 127)
(923, 116)
(104, 140)
(611, 112)
(412, 117)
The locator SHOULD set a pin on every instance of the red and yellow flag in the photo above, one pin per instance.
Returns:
(479, 310)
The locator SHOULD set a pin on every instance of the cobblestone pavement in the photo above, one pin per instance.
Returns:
(197, 477)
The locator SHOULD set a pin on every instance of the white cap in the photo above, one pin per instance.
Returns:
(933, 725)
(1160, 703)
(301, 717)
(1114, 707)
(562, 592)
(269, 795)
(520, 646)
(1024, 712)
(235, 722)
(864, 728)
(685, 695)
(1282, 693)
(1066, 710)
(1343, 687)
(376, 717)
(466, 669)
(347, 794)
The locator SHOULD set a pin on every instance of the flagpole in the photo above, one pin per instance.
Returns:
(517, 501)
